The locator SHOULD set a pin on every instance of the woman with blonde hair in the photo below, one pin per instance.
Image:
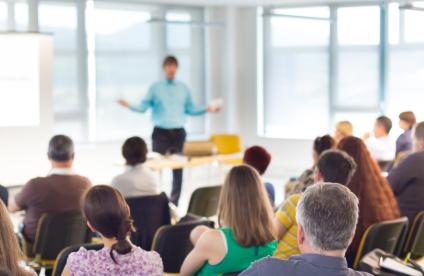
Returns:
(11, 257)
(343, 129)
(246, 232)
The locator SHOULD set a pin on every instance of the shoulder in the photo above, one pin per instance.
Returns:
(80, 258)
(267, 266)
(151, 258)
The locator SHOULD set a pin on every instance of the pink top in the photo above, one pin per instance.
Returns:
(137, 262)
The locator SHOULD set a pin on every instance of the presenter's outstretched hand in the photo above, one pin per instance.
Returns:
(124, 103)
(213, 109)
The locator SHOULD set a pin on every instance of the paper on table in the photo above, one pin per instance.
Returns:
(396, 266)
(216, 103)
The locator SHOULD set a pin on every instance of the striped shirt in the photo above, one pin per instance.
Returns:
(286, 215)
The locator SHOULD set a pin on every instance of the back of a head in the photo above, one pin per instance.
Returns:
(385, 122)
(419, 131)
(409, 118)
(245, 208)
(336, 166)
(257, 157)
(323, 143)
(61, 148)
(345, 128)
(106, 210)
(134, 150)
(328, 214)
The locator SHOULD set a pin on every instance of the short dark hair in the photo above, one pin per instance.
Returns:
(323, 143)
(385, 122)
(168, 60)
(336, 166)
(134, 151)
(257, 157)
(61, 148)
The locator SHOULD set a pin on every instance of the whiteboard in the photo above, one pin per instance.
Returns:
(19, 80)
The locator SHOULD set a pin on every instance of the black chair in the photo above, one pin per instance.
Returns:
(149, 214)
(4, 195)
(384, 236)
(55, 232)
(204, 201)
(414, 245)
(173, 243)
(61, 260)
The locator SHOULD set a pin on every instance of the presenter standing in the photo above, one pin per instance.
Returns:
(170, 101)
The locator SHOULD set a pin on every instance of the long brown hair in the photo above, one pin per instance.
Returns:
(10, 252)
(245, 208)
(107, 211)
(377, 202)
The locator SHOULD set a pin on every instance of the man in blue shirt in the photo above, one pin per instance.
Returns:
(170, 101)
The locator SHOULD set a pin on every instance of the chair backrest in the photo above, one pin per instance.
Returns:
(384, 236)
(173, 243)
(57, 231)
(4, 195)
(227, 143)
(204, 201)
(149, 214)
(62, 258)
(415, 241)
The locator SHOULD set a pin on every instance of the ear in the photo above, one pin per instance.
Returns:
(91, 227)
(317, 176)
(300, 235)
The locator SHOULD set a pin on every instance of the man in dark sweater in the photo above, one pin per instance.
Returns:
(407, 179)
(60, 191)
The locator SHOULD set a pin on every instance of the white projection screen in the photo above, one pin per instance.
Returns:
(26, 107)
(19, 80)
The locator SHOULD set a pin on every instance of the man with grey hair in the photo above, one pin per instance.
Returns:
(327, 214)
(60, 191)
(407, 179)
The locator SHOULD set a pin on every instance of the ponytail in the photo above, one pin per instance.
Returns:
(123, 245)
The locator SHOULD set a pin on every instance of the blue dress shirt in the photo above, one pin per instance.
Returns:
(170, 101)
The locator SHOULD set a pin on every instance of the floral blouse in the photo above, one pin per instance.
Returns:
(137, 262)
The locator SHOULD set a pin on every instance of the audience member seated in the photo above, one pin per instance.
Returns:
(137, 180)
(4, 195)
(343, 129)
(11, 257)
(380, 145)
(407, 179)
(333, 166)
(320, 145)
(246, 233)
(377, 202)
(108, 214)
(407, 121)
(259, 158)
(327, 215)
(60, 191)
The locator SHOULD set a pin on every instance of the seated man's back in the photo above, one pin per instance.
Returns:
(54, 193)
(304, 265)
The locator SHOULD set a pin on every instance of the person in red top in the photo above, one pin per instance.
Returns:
(60, 191)
(377, 203)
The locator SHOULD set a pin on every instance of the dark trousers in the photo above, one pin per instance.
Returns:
(171, 141)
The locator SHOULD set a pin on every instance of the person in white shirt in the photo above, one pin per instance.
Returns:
(137, 180)
(380, 145)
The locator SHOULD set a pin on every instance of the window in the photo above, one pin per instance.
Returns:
(3, 16)
(128, 48)
(21, 16)
(405, 61)
(296, 72)
(60, 19)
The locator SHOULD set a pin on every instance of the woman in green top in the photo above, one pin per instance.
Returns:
(246, 234)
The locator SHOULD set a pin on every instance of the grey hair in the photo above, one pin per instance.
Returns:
(328, 214)
(419, 131)
(61, 148)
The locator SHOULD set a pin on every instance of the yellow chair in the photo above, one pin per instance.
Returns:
(226, 143)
